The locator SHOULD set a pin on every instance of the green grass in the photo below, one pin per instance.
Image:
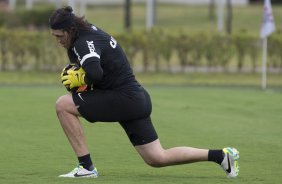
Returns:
(34, 149)
(180, 17)
(185, 79)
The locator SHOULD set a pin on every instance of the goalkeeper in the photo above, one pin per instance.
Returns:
(113, 95)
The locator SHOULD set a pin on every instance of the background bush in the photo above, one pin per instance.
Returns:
(37, 17)
(23, 50)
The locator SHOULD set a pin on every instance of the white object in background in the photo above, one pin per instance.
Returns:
(267, 28)
(220, 14)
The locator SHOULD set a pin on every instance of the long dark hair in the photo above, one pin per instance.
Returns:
(66, 20)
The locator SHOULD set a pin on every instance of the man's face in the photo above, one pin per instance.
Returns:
(62, 37)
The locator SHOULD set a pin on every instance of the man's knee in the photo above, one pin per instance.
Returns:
(156, 161)
(62, 104)
(65, 104)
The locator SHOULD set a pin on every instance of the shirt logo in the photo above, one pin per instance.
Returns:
(92, 53)
(113, 42)
(91, 46)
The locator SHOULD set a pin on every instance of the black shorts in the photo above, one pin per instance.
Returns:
(131, 107)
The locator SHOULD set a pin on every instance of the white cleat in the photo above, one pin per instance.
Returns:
(80, 172)
(230, 162)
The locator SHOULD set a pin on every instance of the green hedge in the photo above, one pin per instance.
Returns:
(37, 17)
(147, 51)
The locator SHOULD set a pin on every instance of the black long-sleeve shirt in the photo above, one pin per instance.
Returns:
(103, 60)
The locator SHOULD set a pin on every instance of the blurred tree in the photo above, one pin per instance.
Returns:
(211, 10)
(4, 4)
(127, 14)
(229, 17)
(272, 1)
(276, 1)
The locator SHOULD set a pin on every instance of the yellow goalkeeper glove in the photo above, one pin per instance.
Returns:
(74, 78)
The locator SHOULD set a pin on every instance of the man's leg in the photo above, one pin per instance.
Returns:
(154, 154)
(68, 115)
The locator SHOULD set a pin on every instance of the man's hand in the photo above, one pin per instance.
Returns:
(74, 78)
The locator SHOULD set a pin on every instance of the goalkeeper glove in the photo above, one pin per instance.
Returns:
(74, 78)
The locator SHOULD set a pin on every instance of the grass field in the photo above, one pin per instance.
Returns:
(34, 149)
(187, 18)
(159, 78)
